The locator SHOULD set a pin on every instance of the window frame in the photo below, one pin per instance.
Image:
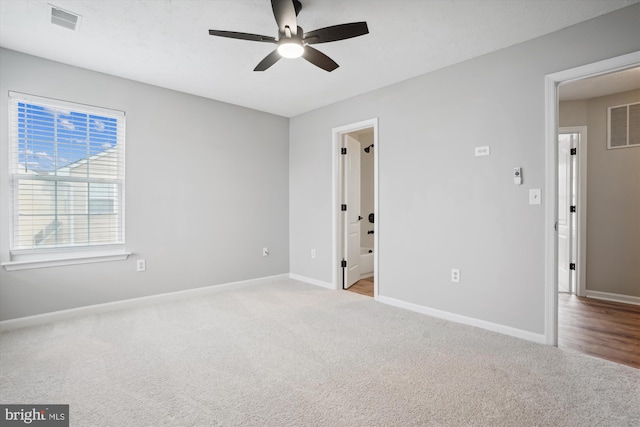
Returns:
(34, 257)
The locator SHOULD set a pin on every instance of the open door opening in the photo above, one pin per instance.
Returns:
(355, 221)
(564, 174)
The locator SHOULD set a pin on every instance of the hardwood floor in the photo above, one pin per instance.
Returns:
(604, 329)
(363, 287)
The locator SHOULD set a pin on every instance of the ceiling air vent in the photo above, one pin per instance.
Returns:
(64, 18)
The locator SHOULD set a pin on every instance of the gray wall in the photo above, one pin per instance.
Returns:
(440, 207)
(572, 113)
(206, 190)
(613, 198)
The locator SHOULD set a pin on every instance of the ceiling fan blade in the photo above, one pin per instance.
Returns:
(268, 61)
(336, 32)
(285, 14)
(243, 36)
(319, 59)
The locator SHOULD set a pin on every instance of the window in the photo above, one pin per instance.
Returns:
(67, 175)
(624, 126)
(102, 199)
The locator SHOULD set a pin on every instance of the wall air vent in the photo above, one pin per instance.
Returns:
(64, 18)
(623, 126)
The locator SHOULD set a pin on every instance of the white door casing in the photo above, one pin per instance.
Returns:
(352, 216)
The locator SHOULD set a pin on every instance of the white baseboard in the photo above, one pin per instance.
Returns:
(608, 296)
(494, 327)
(39, 319)
(311, 281)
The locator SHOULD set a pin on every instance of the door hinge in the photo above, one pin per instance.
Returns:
(343, 264)
(572, 209)
(572, 266)
(574, 151)
(343, 208)
(343, 150)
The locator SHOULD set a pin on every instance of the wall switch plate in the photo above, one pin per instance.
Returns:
(455, 275)
(535, 196)
(265, 251)
(313, 253)
(483, 151)
(141, 265)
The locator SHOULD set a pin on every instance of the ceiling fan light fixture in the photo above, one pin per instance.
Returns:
(290, 48)
(293, 42)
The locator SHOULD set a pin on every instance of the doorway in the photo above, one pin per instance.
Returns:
(552, 81)
(355, 191)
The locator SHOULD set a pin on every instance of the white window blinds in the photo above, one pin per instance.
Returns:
(67, 172)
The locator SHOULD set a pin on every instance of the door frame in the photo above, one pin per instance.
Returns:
(336, 223)
(552, 81)
(581, 217)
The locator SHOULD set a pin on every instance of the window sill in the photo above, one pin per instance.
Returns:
(66, 259)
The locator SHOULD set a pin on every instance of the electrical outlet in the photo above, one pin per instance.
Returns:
(455, 275)
(313, 254)
(141, 265)
(265, 251)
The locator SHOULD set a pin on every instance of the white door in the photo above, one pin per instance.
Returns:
(565, 222)
(352, 215)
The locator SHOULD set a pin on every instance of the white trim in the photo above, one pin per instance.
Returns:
(551, 212)
(39, 319)
(311, 281)
(608, 296)
(336, 227)
(66, 259)
(551, 175)
(494, 327)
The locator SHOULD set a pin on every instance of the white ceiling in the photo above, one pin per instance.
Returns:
(165, 42)
(606, 84)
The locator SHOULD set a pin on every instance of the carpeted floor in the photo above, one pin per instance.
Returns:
(293, 354)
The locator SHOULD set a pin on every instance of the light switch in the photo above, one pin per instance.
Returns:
(535, 196)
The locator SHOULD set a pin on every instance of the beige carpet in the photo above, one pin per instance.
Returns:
(293, 354)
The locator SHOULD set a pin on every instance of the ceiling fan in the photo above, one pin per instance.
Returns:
(293, 42)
